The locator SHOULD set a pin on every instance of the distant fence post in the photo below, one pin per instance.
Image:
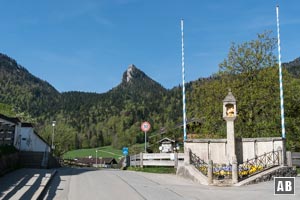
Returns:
(141, 159)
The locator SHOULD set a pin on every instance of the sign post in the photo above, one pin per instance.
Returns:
(145, 127)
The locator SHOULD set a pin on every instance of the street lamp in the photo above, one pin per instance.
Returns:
(53, 125)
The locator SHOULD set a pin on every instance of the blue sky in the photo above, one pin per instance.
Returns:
(86, 45)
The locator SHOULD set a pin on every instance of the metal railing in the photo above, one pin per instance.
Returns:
(245, 169)
(199, 163)
(259, 164)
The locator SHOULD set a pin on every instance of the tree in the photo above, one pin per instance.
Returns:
(244, 65)
(250, 56)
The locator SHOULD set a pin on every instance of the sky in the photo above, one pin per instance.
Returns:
(87, 45)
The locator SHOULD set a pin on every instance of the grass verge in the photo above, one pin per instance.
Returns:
(158, 170)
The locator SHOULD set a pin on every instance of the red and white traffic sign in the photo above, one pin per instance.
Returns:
(145, 126)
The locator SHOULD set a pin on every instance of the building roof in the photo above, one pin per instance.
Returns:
(13, 120)
(41, 138)
(27, 125)
(229, 97)
(166, 139)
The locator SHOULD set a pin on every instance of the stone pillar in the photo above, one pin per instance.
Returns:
(230, 139)
(187, 156)
(229, 115)
(235, 170)
(210, 172)
(289, 159)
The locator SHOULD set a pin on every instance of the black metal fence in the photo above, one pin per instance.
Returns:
(199, 163)
(259, 164)
(245, 169)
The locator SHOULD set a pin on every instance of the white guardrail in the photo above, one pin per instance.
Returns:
(156, 159)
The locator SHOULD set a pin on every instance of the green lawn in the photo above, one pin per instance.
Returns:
(106, 151)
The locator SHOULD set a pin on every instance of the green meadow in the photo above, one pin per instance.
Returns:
(107, 151)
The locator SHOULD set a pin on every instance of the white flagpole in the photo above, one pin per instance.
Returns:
(280, 77)
(183, 84)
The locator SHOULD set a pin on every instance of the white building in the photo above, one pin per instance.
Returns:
(21, 135)
(29, 140)
(166, 145)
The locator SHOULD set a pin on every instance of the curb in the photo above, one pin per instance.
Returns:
(44, 184)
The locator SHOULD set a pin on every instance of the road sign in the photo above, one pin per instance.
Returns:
(145, 126)
(125, 151)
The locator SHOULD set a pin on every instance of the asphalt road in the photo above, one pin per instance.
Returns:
(73, 184)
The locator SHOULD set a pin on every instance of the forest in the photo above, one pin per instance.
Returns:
(88, 120)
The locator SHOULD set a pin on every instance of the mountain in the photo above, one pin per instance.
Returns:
(96, 118)
(25, 91)
(136, 87)
(136, 98)
(86, 120)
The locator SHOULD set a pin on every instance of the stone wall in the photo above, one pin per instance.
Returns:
(246, 148)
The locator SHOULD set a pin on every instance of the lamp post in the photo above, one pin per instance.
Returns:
(53, 126)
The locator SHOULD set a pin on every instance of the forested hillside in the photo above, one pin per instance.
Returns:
(24, 91)
(113, 118)
(293, 67)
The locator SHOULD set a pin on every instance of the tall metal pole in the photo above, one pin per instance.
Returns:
(183, 84)
(53, 125)
(145, 142)
(280, 77)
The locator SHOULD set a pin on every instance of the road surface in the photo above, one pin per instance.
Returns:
(85, 184)
(78, 184)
